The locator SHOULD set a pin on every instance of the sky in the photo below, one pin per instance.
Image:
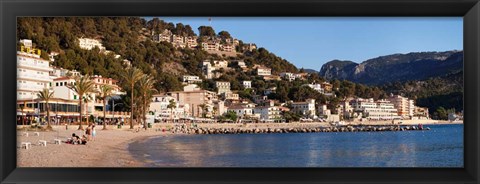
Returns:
(309, 42)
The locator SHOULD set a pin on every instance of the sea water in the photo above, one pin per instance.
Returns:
(442, 146)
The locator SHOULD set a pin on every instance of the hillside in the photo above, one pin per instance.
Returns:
(396, 67)
(443, 91)
(130, 37)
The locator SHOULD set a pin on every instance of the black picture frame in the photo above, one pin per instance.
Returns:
(468, 9)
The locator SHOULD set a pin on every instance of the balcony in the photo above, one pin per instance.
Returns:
(31, 64)
(29, 87)
(34, 76)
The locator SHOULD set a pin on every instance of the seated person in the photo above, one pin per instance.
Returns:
(74, 140)
(83, 140)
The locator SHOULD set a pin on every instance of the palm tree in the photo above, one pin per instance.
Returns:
(87, 98)
(131, 76)
(46, 95)
(105, 92)
(146, 89)
(82, 86)
(171, 105)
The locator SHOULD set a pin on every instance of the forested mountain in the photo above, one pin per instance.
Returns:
(130, 38)
(396, 67)
(432, 79)
(444, 91)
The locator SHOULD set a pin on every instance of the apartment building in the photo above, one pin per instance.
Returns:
(268, 113)
(405, 107)
(242, 110)
(222, 87)
(306, 109)
(200, 102)
(211, 46)
(33, 73)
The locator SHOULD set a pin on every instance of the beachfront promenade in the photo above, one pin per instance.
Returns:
(110, 147)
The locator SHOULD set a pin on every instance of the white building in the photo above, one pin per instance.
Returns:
(89, 44)
(27, 43)
(160, 108)
(316, 87)
(268, 113)
(379, 110)
(263, 71)
(191, 87)
(247, 84)
(288, 76)
(33, 74)
(306, 108)
(242, 110)
(222, 87)
(190, 79)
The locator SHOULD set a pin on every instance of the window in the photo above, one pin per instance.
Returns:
(56, 83)
(74, 97)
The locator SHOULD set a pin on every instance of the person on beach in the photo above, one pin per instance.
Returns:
(94, 132)
(83, 140)
(75, 139)
(88, 132)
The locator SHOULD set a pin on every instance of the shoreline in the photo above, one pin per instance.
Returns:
(111, 147)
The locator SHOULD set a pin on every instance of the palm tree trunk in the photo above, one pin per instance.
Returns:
(86, 112)
(145, 113)
(80, 126)
(131, 115)
(104, 117)
(48, 117)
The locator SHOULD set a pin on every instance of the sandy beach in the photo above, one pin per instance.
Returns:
(110, 147)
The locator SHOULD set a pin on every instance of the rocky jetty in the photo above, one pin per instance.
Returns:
(243, 130)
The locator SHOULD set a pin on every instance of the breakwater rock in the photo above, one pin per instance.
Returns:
(242, 130)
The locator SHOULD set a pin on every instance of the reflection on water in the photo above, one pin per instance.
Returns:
(440, 147)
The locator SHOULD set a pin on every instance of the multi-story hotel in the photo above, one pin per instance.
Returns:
(33, 74)
(375, 110)
(404, 106)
